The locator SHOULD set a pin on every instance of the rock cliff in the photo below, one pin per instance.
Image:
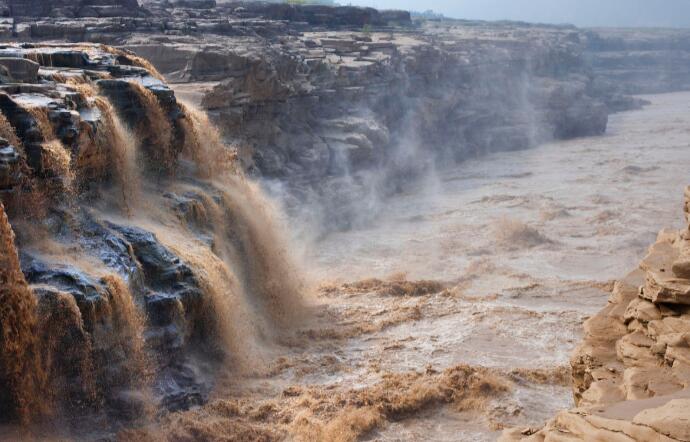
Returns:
(321, 98)
(639, 61)
(357, 111)
(631, 374)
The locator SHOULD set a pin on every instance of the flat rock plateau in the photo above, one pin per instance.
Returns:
(268, 221)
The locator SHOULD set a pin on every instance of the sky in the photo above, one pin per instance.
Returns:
(652, 13)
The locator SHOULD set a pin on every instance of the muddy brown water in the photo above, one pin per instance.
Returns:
(527, 241)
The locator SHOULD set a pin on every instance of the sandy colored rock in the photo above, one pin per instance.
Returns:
(643, 396)
(671, 419)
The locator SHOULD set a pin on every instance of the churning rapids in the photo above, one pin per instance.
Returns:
(523, 246)
(478, 286)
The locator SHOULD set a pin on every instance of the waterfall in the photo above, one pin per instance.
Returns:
(119, 142)
(21, 373)
(167, 267)
(156, 130)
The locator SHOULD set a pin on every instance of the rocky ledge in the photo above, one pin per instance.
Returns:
(631, 374)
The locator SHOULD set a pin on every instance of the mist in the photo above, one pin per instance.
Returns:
(586, 13)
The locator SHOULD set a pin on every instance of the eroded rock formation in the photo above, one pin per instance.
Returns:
(631, 374)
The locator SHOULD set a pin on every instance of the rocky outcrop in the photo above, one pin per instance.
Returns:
(631, 374)
(70, 8)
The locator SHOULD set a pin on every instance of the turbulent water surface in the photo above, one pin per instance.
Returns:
(526, 243)
(449, 318)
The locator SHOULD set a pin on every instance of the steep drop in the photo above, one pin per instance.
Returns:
(154, 266)
(21, 373)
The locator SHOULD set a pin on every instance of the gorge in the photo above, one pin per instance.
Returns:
(254, 221)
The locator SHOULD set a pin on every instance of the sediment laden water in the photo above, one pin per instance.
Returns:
(22, 377)
(104, 351)
(123, 151)
(156, 129)
(522, 245)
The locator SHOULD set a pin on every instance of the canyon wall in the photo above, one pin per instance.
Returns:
(640, 61)
(320, 99)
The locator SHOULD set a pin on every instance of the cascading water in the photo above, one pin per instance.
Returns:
(142, 287)
(156, 129)
(7, 131)
(123, 150)
(245, 225)
(21, 373)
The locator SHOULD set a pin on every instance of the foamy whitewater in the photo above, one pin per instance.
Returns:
(454, 316)
(510, 253)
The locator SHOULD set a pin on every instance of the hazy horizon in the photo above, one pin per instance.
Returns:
(586, 13)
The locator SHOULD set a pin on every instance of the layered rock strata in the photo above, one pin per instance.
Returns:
(640, 61)
(631, 374)
(324, 98)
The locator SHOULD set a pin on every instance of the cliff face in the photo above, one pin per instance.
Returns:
(638, 61)
(355, 99)
(631, 374)
(328, 110)
(458, 94)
